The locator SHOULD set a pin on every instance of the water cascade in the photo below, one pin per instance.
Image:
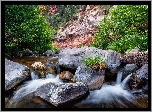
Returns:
(111, 96)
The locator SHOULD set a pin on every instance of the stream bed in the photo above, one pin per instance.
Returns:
(113, 95)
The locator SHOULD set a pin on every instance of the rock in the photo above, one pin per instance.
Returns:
(128, 69)
(93, 78)
(39, 69)
(15, 73)
(72, 58)
(48, 53)
(139, 58)
(142, 76)
(66, 75)
(135, 50)
(62, 93)
(27, 52)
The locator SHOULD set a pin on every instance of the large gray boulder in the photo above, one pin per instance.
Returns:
(15, 73)
(72, 57)
(93, 78)
(62, 93)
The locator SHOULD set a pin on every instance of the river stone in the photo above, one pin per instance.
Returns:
(72, 57)
(61, 93)
(15, 73)
(142, 76)
(93, 78)
(128, 69)
(48, 53)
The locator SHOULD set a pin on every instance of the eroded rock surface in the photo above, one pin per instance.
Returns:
(72, 57)
(61, 93)
(139, 58)
(93, 78)
(15, 73)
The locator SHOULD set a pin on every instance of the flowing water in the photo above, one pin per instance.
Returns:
(109, 96)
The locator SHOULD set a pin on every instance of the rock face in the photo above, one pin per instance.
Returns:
(139, 58)
(72, 58)
(15, 73)
(61, 93)
(128, 69)
(142, 75)
(93, 78)
(48, 53)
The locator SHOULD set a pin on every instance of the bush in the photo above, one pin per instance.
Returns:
(25, 27)
(125, 27)
(94, 62)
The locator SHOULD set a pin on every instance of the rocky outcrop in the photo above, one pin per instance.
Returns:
(93, 78)
(72, 57)
(15, 73)
(62, 93)
(139, 58)
(27, 52)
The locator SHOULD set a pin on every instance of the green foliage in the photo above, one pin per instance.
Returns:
(125, 27)
(64, 13)
(29, 29)
(55, 49)
(95, 62)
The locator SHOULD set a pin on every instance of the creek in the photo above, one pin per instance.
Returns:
(114, 95)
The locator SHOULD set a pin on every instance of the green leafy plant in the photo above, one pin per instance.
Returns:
(95, 62)
(26, 27)
(125, 27)
(55, 49)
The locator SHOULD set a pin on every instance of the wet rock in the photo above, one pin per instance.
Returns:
(48, 53)
(27, 52)
(39, 69)
(128, 69)
(53, 66)
(139, 58)
(142, 76)
(62, 93)
(93, 78)
(15, 73)
(66, 75)
(72, 58)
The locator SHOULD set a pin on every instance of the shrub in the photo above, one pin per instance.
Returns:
(95, 62)
(125, 27)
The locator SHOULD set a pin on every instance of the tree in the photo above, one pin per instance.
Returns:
(26, 27)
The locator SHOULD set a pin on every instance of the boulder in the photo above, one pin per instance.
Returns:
(66, 75)
(39, 69)
(93, 78)
(142, 76)
(138, 58)
(61, 93)
(128, 69)
(72, 57)
(27, 52)
(48, 53)
(15, 73)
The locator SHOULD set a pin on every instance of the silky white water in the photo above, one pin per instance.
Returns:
(30, 86)
(111, 95)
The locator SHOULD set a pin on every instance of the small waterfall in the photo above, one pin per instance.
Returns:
(33, 76)
(124, 82)
(119, 77)
(110, 96)
(30, 86)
